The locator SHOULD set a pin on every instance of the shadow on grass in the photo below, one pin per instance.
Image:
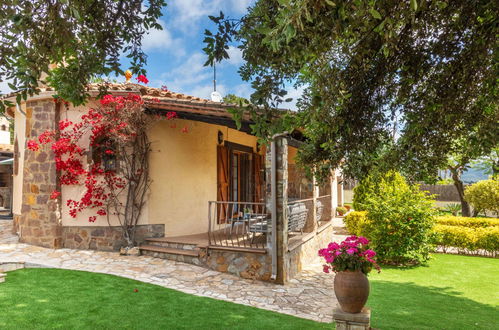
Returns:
(409, 306)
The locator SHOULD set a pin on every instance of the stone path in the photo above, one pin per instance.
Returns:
(309, 296)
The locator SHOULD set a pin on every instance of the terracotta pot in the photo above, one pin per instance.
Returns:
(352, 290)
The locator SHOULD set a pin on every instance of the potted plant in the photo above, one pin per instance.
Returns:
(351, 260)
(341, 210)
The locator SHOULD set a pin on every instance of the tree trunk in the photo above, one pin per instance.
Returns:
(456, 177)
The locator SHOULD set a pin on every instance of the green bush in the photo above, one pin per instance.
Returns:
(483, 195)
(467, 239)
(354, 222)
(400, 220)
(451, 220)
(363, 191)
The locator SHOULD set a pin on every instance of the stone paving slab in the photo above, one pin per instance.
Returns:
(310, 295)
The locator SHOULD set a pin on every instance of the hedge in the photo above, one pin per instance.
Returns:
(466, 234)
(450, 220)
(467, 239)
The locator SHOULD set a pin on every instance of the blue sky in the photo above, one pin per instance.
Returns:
(175, 56)
(175, 53)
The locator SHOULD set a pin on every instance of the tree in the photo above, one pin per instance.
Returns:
(427, 66)
(83, 38)
(234, 99)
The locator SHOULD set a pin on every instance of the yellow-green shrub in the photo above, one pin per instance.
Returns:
(484, 195)
(450, 220)
(467, 239)
(354, 222)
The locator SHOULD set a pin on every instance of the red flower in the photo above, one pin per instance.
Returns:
(185, 129)
(33, 145)
(141, 78)
(109, 152)
(55, 194)
(135, 290)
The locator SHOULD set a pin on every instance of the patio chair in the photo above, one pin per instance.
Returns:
(297, 217)
(319, 209)
(260, 226)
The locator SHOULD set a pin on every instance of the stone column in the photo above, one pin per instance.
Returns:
(40, 221)
(281, 144)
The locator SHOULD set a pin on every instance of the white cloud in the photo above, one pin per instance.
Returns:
(240, 6)
(162, 40)
(186, 13)
(4, 88)
(242, 90)
(235, 56)
(190, 72)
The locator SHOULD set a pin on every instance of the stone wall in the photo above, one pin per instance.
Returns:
(105, 238)
(244, 264)
(307, 253)
(39, 222)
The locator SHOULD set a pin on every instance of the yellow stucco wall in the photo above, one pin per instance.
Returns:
(184, 173)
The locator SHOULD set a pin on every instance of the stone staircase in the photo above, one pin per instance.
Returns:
(172, 249)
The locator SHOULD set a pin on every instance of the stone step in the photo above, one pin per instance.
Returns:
(2, 277)
(171, 243)
(155, 248)
(188, 256)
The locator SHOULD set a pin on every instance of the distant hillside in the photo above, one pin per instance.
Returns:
(473, 175)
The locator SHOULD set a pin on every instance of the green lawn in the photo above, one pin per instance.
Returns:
(62, 299)
(451, 292)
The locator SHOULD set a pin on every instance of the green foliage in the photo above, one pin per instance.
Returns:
(395, 84)
(467, 221)
(484, 195)
(234, 99)
(400, 220)
(355, 221)
(363, 191)
(85, 38)
(341, 210)
(467, 239)
(453, 208)
(446, 181)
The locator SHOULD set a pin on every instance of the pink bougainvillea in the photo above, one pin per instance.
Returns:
(112, 128)
(143, 79)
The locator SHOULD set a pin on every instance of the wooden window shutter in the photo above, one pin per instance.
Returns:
(258, 178)
(222, 180)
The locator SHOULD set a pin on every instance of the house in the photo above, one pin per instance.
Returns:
(217, 198)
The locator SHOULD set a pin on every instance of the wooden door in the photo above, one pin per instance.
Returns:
(222, 181)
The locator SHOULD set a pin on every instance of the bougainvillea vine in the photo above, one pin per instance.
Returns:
(105, 152)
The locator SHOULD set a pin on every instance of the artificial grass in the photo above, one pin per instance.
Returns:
(62, 299)
(450, 292)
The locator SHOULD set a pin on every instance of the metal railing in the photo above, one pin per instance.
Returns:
(324, 213)
(238, 224)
